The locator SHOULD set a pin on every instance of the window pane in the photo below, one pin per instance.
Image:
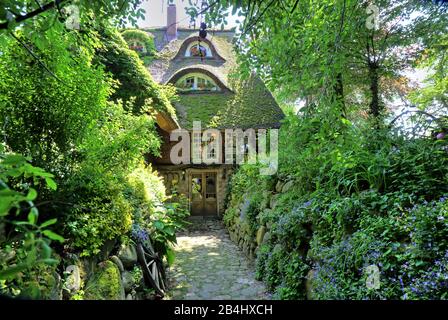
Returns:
(197, 82)
(189, 82)
(198, 51)
(196, 187)
(210, 188)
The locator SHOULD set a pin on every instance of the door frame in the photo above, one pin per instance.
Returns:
(189, 172)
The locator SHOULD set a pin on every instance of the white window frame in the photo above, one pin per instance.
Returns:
(195, 87)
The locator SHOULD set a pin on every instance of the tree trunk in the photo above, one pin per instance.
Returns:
(375, 105)
(339, 92)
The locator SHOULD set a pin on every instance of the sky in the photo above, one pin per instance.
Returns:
(156, 14)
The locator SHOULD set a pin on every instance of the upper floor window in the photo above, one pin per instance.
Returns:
(137, 46)
(196, 82)
(198, 49)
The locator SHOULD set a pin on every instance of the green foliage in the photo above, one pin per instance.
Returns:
(433, 97)
(45, 117)
(68, 13)
(93, 146)
(27, 259)
(80, 104)
(408, 247)
(105, 285)
(359, 199)
(334, 51)
(154, 214)
(136, 87)
(144, 40)
(112, 186)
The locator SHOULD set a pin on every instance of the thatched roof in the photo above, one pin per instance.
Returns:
(241, 103)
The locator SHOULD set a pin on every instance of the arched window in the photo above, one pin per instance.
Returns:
(137, 45)
(198, 49)
(196, 82)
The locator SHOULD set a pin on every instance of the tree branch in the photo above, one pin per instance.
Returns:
(257, 18)
(32, 14)
(35, 56)
(295, 6)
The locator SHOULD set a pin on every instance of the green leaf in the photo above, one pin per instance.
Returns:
(48, 223)
(32, 216)
(419, 263)
(51, 183)
(159, 225)
(46, 250)
(53, 236)
(170, 256)
(5, 204)
(32, 194)
(11, 272)
(169, 230)
(13, 159)
(49, 261)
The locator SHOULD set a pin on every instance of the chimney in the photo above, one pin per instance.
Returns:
(171, 23)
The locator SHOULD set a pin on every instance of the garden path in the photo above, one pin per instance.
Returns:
(209, 266)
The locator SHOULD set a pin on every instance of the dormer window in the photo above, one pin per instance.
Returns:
(137, 46)
(198, 49)
(196, 82)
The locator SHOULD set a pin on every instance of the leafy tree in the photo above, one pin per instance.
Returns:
(433, 97)
(45, 115)
(23, 13)
(338, 51)
(24, 243)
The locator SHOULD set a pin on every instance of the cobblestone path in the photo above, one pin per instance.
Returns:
(209, 266)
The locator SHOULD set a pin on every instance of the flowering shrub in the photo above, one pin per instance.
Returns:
(139, 234)
(432, 283)
(366, 208)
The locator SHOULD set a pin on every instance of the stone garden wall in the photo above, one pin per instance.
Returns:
(249, 235)
(114, 274)
(250, 222)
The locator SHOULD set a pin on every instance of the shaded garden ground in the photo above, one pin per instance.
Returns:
(210, 266)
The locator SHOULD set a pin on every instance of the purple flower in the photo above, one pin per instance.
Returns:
(308, 203)
(441, 135)
(139, 234)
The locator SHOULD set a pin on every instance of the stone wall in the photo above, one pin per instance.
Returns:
(240, 226)
(114, 274)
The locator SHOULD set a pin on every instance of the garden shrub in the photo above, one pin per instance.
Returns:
(91, 125)
(360, 199)
(27, 258)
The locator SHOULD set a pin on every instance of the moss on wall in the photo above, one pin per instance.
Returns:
(106, 284)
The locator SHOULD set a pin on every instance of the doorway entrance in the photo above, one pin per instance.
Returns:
(203, 197)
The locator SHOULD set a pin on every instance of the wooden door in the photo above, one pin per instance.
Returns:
(203, 197)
